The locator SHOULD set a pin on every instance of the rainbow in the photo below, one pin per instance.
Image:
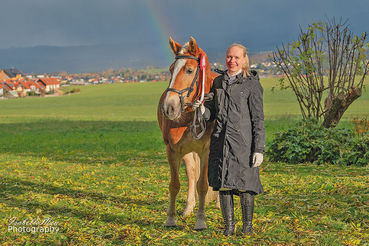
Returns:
(161, 30)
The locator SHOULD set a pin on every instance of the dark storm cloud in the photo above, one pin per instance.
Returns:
(67, 22)
(81, 22)
(264, 24)
(101, 34)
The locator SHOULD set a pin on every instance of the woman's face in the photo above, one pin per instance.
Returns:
(235, 59)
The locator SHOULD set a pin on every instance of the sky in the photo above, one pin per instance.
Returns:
(259, 24)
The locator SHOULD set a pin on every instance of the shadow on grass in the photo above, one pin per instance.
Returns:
(300, 203)
(102, 142)
(10, 187)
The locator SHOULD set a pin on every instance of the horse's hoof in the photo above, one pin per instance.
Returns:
(171, 222)
(200, 225)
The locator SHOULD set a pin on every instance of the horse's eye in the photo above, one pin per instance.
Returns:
(189, 71)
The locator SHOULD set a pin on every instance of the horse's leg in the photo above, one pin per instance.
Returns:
(191, 165)
(202, 189)
(174, 186)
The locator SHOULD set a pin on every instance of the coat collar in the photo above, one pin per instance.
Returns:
(253, 74)
(238, 78)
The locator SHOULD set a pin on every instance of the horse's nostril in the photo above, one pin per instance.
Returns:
(170, 109)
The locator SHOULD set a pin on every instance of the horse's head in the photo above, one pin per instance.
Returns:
(185, 72)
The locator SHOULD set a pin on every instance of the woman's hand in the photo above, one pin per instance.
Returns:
(257, 159)
(197, 104)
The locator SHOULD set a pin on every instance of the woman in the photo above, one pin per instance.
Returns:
(238, 139)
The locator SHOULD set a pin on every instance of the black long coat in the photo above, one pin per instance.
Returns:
(238, 132)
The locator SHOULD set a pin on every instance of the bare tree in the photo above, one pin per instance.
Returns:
(327, 61)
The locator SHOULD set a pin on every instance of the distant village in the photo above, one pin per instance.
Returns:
(14, 83)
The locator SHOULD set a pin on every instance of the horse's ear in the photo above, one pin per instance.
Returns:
(192, 46)
(174, 45)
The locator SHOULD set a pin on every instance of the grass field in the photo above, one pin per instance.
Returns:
(95, 163)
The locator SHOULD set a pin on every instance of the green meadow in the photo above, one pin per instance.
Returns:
(95, 164)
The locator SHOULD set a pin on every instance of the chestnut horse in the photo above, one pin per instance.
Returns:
(175, 116)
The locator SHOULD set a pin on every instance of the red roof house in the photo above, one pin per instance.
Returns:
(50, 84)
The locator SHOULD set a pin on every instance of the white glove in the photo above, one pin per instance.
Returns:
(257, 159)
(197, 104)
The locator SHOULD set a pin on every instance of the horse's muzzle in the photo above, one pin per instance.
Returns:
(170, 112)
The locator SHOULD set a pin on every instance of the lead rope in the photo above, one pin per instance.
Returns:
(199, 122)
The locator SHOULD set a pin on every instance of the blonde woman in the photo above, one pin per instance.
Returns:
(238, 139)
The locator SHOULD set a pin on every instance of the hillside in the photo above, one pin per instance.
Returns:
(93, 58)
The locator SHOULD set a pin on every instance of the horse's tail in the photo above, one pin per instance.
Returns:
(211, 195)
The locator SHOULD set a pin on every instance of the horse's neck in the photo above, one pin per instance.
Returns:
(176, 129)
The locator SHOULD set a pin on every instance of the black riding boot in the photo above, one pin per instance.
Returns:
(226, 203)
(247, 204)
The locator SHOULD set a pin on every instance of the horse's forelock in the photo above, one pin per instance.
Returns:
(184, 49)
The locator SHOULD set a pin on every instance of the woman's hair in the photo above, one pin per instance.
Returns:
(246, 66)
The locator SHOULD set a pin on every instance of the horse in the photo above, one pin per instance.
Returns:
(175, 115)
